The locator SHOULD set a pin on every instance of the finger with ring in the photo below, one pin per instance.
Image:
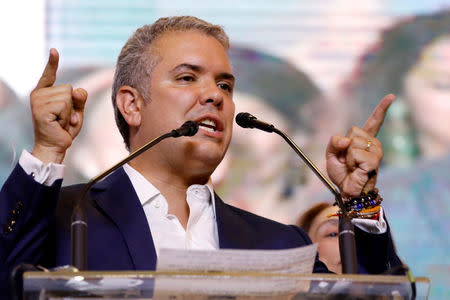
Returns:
(369, 144)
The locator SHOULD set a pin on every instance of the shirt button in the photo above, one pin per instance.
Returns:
(157, 203)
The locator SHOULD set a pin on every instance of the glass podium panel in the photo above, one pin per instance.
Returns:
(217, 285)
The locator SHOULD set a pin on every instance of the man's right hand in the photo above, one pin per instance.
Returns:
(57, 114)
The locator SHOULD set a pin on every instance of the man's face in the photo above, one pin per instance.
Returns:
(191, 81)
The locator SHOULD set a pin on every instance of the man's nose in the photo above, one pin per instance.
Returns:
(212, 95)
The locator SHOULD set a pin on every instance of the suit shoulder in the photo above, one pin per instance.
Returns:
(69, 196)
(251, 217)
(74, 188)
(268, 226)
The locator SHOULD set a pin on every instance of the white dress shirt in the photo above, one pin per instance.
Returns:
(167, 231)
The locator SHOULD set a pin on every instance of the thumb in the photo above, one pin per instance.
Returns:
(79, 97)
(337, 145)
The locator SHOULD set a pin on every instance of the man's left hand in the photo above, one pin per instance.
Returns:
(353, 160)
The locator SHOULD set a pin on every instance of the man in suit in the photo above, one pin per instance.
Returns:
(169, 72)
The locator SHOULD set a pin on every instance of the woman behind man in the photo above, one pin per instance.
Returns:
(323, 230)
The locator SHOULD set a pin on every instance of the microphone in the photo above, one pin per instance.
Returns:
(189, 128)
(78, 236)
(247, 120)
(346, 228)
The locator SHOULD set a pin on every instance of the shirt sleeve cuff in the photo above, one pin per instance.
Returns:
(45, 174)
(372, 226)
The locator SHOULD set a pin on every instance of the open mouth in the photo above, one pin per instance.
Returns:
(208, 125)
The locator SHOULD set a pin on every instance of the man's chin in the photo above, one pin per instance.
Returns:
(200, 169)
(204, 155)
(207, 161)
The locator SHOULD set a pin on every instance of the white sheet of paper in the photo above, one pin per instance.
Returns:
(295, 260)
(288, 261)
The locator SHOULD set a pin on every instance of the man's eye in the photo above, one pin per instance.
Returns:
(186, 78)
(226, 87)
(332, 234)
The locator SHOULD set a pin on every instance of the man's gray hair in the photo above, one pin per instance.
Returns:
(135, 62)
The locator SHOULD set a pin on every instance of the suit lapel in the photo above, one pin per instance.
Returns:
(234, 232)
(118, 199)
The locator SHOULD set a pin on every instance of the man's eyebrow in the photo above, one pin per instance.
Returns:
(226, 75)
(192, 67)
(196, 68)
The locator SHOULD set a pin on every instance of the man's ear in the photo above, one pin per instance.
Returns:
(129, 101)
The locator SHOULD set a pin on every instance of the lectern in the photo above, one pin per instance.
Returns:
(216, 285)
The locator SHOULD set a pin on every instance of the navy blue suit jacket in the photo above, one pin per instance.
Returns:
(36, 228)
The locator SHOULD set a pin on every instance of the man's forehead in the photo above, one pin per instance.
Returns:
(180, 52)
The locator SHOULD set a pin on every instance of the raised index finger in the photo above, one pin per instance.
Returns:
(374, 122)
(49, 75)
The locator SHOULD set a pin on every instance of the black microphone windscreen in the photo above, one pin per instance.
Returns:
(247, 120)
(189, 128)
(244, 119)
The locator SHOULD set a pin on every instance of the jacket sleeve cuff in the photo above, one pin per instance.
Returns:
(45, 174)
(372, 226)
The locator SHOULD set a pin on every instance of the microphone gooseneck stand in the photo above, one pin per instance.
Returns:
(347, 245)
(78, 237)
